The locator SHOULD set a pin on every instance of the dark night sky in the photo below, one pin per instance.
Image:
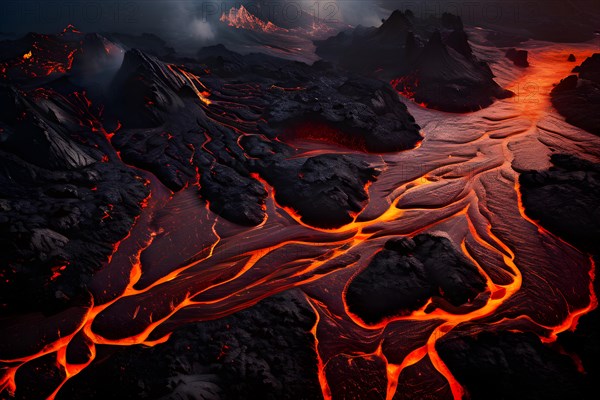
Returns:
(196, 19)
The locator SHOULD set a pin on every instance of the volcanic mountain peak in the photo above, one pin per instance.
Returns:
(70, 29)
(70, 33)
(139, 65)
(397, 23)
(435, 41)
(458, 40)
(148, 90)
(241, 18)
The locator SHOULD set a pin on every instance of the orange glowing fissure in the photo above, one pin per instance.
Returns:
(497, 295)
(194, 83)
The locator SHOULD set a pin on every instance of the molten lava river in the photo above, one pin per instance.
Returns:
(182, 263)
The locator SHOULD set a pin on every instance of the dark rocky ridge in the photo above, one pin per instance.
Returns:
(358, 109)
(566, 199)
(429, 60)
(590, 68)
(64, 200)
(327, 189)
(578, 98)
(511, 365)
(409, 271)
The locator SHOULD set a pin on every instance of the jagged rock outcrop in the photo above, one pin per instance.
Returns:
(518, 57)
(577, 97)
(505, 364)
(437, 69)
(409, 271)
(65, 200)
(565, 199)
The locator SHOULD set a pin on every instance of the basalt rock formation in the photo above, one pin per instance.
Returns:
(548, 196)
(65, 198)
(436, 68)
(408, 272)
(577, 97)
(264, 351)
(506, 364)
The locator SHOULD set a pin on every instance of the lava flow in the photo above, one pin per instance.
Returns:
(182, 263)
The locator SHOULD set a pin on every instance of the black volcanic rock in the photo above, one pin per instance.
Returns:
(411, 46)
(437, 69)
(578, 99)
(510, 365)
(226, 62)
(367, 50)
(566, 199)
(235, 197)
(165, 127)
(367, 114)
(409, 271)
(518, 57)
(590, 68)
(65, 201)
(31, 130)
(569, 83)
(452, 22)
(145, 91)
(396, 25)
(325, 190)
(446, 80)
(93, 56)
(584, 341)
(459, 41)
(266, 352)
